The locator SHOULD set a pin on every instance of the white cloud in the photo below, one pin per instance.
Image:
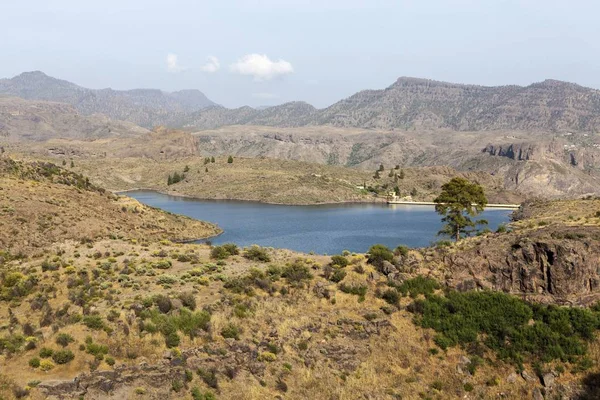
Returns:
(261, 67)
(173, 63)
(265, 96)
(212, 65)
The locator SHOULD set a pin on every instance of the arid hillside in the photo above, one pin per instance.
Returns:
(41, 204)
(125, 313)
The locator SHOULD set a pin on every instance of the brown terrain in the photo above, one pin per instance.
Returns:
(103, 298)
(250, 328)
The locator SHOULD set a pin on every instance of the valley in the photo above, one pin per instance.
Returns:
(106, 297)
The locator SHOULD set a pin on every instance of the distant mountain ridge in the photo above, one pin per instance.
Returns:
(144, 107)
(414, 104)
(408, 104)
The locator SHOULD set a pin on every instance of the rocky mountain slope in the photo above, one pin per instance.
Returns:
(144, 107)
(417, 104)
(408, 104)
(534, 164)
(33, 120)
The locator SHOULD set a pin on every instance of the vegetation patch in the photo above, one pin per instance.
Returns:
(514, 329)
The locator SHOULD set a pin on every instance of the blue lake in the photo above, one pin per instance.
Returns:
(324, 229)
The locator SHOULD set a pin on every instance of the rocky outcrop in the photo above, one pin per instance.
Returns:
(553, 264)
(518, 152)
(118, 383)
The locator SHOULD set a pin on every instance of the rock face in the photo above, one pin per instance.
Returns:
(553, 264)
(117, 384)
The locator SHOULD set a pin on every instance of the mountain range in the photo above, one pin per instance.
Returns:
(414, 104)
(408, 104)
(144, 107)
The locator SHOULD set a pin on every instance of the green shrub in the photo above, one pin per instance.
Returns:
(391, 296)
(188, 300)
(209, 376)
(339, 260)
(109, 360)
(11, 343)
(418, 286)
(256, 253)
(63, 356)
(338, 275)
(176, 385)
(46, 352)
(359, 290)
(297, 273)
(34, 362)
(231, 248)
(502, 323)
(231, 331)
(379, 253)
(97, 350)
(64, 339)
(94, 322)
(401, 250)
(219, 253)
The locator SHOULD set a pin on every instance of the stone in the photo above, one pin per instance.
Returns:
(512, 378)
(537, 394)
(176, 304)
(387, 268)
(373, 276)
(464, 360)
(528, 377)
(548, 379)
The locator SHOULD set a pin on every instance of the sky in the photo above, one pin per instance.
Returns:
(272, 51)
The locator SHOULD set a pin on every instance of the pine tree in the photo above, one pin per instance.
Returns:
(212, 159)
(459, 201)
(230, 160)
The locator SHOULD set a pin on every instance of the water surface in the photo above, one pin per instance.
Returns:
(324, 229)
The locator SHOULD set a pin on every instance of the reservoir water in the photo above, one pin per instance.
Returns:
(324, 229)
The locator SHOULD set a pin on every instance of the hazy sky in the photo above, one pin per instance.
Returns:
(272, 51)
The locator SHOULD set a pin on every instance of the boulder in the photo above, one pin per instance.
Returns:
(388, 268)
(528, 377)
(548, 379)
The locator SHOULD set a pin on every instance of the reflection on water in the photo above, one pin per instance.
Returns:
(324, 229)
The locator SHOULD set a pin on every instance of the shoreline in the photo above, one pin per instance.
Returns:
(193, 197)
(376, 200)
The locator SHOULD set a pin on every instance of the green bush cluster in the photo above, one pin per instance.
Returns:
(418, 286)
(254, 278)
(188, 322)
(257, 253)
(224, 251)
(175, 178)
(379, 253)
(297, 273)
(339, 260)
(63, 356)
(502, 323)
(359, 290)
